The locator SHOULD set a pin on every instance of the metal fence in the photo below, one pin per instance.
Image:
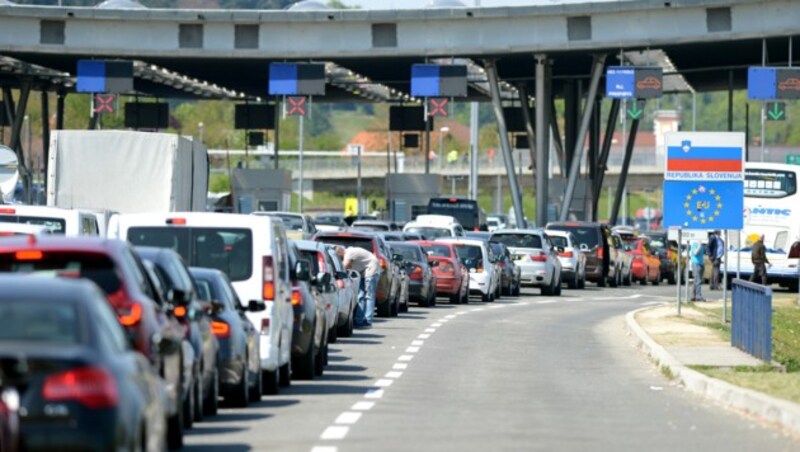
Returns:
(751, 328)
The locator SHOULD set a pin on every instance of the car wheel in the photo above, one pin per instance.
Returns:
(321, 360)
(573, 283)
(198, 397)
(384, 310)
(671, 278)
(211, 403)
(602, 281)
(257, 387)
(269, 380)
(240, 395)
(658, 279)
(175, 431)
(305, 366)
(456, 298)
(486, 298)
(333, 335)
(557, 288)
(612, 282)
(582, 284)
(516, 290)
(285, 374)
(188, 407)
(404, 307)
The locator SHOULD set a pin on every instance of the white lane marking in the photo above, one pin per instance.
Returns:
(477, 309)
(393, 374)
(374, 394)
(417, 343)
(630, 297)
(362, 406)
(546, 301)
(652, 303)
(400, 366)
(348, 417)
(335, 432)
(451, 316)
(497, 306)
(444, 320)
(324, 449)
(405, 357)
(383, 383)
(430, 330)
(436, 325)
(412, 349)
(423, 336)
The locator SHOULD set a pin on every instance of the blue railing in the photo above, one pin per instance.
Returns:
(751, 328)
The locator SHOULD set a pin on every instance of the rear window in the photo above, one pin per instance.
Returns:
(371, 227)
(313, 261)
(97, 268)
(290, 222)
(583, 234)
(41, 322)
(518, 240)
(409, 253)
(349, 241)
(559, 241)
(470, 255)
(429, 233)
(437, 250)
(54, 225)
(203, 288)
(229, 250)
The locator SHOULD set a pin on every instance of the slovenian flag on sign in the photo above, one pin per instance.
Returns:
(704, 158)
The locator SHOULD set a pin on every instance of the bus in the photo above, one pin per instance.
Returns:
(466, 211)
(772, 208)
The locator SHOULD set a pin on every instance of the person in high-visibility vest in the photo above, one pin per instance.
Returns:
(452, 157)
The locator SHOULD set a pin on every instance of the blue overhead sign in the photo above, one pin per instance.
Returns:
(704, 205)
(297, 79)
(436, 80)
(620, 82)
(99, 76)
(768, 83)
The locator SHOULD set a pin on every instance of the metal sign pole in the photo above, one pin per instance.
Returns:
(738, 253)
(678, 285)
(300, 163)
(725, 281)
(688, 265)
(358, 184)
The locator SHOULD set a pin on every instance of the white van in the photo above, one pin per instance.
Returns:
(432, 227)
(250, 249)
(69, 222)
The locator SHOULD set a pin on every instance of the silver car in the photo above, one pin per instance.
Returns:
(573, 261)
(536, 257)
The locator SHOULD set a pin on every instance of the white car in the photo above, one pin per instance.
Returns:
(298, 226)
(573, 261)
(432, 227)
(495, 223)
(68, 222)
(484, 279)
(535, 255)
(250, 249)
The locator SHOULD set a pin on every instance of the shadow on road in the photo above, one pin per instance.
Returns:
(214, 430)
(326, 389)
(344, 368)
(219, 448)
(343, 377)
(242, 416)
(356, 340)
(337, 358)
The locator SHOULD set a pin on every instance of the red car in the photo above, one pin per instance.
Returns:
(452, 277)
(118, 271)
(646, 266)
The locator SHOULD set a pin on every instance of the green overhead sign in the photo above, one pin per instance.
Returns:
(776, 111)
(636, 109)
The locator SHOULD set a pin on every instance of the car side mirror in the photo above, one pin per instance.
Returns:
(433, 263)
(584, 247)
(256, 306)
(302, 270)
(179, 297)
(323, 280)
(166, 345)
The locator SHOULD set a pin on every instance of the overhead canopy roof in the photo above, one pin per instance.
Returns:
(705, 42)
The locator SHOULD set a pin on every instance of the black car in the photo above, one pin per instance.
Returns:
(421, 281)
(238, 358)
(181, 290)
(81, 385)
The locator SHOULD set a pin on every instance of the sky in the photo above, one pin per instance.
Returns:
(398, 4)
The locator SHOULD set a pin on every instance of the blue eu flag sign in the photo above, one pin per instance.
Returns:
(704, 205)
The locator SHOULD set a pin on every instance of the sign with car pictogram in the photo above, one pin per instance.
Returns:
(769, 83)
(630, 82)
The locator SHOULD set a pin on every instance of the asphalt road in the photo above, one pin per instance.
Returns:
(527, 373)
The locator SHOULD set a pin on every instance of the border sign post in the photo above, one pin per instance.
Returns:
(704, 184)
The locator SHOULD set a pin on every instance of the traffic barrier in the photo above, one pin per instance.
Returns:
(751, 327)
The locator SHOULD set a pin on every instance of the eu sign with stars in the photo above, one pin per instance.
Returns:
(703, 205)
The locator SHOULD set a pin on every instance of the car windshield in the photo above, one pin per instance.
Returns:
(98, 268)
(409, 253)
(290, 222)
(470, 255)
(583, 234)
(330, 221)
(518, 240)
(437, 250)
(41, 322)
(430, 233)
(53, 225)
(229, 250)
(559, 241)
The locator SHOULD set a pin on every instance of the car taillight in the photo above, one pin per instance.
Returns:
(446, 267)
(220, 329)
(416, 274)
(8, 210)
(383, 262)
(265, 326)
(794, 251)
(321, 261)
(131, 315)
(92, 387)
(268, 279)
(566, 254)
(600, 252)
(297, 298)
(176, 221)
(28, 255)
(538, 257)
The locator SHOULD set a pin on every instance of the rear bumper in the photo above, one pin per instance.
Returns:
(87, 430)
(447, 286)
(533, 274)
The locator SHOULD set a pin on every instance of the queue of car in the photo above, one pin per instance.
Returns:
(209, 308)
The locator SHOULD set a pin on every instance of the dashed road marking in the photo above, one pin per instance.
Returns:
(546, 301)
(374, 394)
(393, 374)
(383, 383)
(362, 406)
(423, 336)
(324, 449)
(400, 366)
(451, 316)
(348, 417)
(436, 325)
(417, 343)
(405, 357)
(430, 330)
(335, 432)
(412, 349)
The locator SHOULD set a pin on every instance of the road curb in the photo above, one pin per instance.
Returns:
(781, 413)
